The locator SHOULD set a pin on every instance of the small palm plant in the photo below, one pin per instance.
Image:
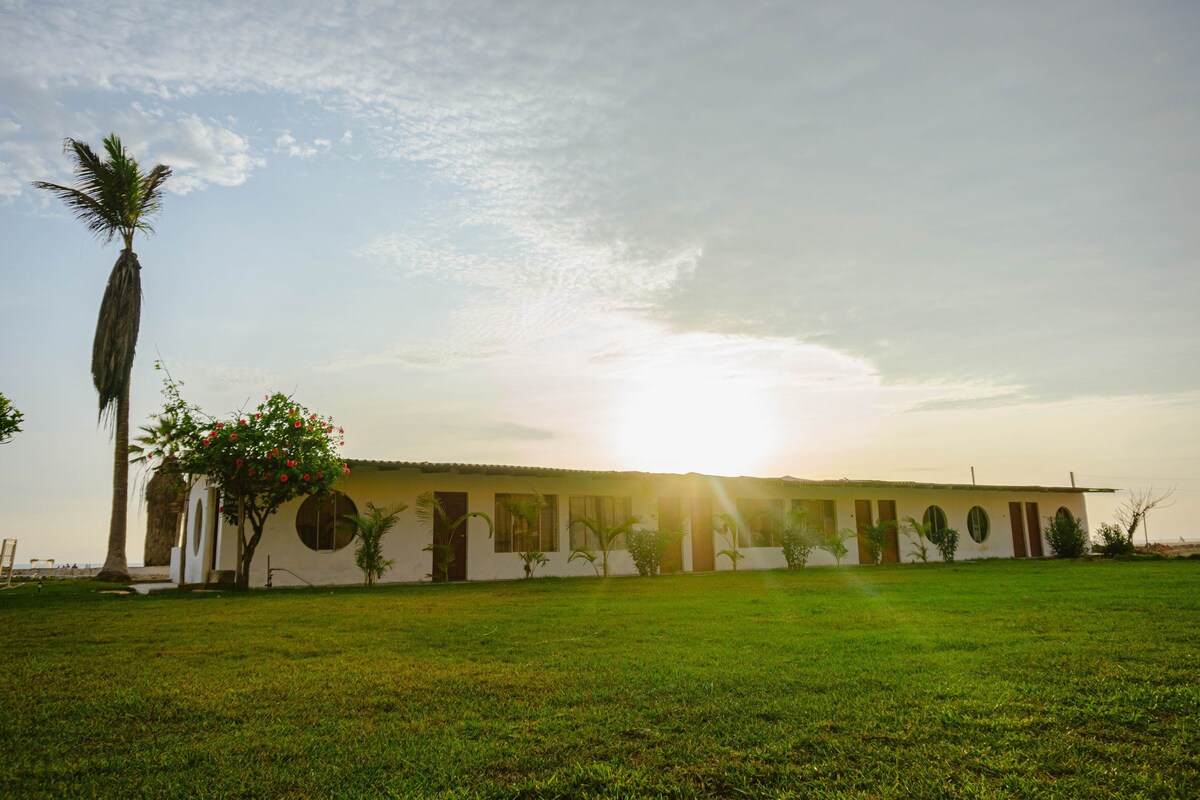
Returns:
(431, 511)
(156, 449)
(917, 534)
(877, 537)
(728, 528)
(587, 554)
(835, 544)
(527, 518)
(369, 528)
(605, 534)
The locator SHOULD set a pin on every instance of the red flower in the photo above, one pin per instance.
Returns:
(250, 471)
(242, 422)
(207, 442)
(258, 416)
(292, 412)
(239, 463)
(283, 478)
(291, 463)
(233, 437)
(341, 430)
(345, 470)
(314, 416)
(220, 425)
(319, 476)
(275, 451)
(298, 423)
(306, 476)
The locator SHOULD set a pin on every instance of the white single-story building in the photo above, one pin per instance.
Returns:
(306, 541)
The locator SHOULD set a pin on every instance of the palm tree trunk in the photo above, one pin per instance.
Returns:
(116, 568)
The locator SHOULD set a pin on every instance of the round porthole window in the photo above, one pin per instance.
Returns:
(935, 518)
(978, 524)
(321, 521)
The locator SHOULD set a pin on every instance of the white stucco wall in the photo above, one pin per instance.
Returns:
(405, 542)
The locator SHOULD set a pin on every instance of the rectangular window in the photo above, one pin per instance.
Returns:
(821, 515)
(513, 535)
(607, 510)
(759, 520)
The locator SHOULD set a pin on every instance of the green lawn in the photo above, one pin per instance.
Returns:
(993, 679)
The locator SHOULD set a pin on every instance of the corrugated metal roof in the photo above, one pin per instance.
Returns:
(548, 472)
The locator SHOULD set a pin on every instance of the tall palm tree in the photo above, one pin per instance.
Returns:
(112, 196)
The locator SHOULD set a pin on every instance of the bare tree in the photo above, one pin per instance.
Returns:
(1133, 511)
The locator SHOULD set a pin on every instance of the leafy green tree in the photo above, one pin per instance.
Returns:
(112, 196)
(370, 528)
(605, 534)
(258, 461)
(527, 518)
(431, 511)
(10, 420)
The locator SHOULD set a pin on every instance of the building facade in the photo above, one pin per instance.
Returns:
(306, 541)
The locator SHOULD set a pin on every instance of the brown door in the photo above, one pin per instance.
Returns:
(1018, 530)
(1034, 529)
(862, 517)
(670, 517)
(891, 544)
(702, 535)
(455, 506)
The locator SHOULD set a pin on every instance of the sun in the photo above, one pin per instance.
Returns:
(690, 422)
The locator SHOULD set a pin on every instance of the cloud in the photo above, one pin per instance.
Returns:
(288, 144)
(906, 186)
(201, 153)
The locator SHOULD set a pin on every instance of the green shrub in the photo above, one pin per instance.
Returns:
(1112, 540)
(797, 546)
(646, 547)
(645, 550)
(1067, 537)
(946, 541)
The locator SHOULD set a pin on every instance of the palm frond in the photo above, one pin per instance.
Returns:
(111, 196)
(481, 515)
(429, 508)
(116, 331)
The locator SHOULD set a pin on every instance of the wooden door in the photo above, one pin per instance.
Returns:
(1018, 530)
(670, 517)
(702, 535)
(455, 506)
(1034, 528)
(891, 544)
(862, 518)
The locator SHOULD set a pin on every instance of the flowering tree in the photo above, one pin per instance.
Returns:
(257, 460)
(10, 420)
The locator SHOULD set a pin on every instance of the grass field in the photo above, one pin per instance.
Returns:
(992, 679)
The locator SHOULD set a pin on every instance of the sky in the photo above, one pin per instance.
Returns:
(864, 240)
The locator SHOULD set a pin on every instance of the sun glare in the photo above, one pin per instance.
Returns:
(694, 424)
